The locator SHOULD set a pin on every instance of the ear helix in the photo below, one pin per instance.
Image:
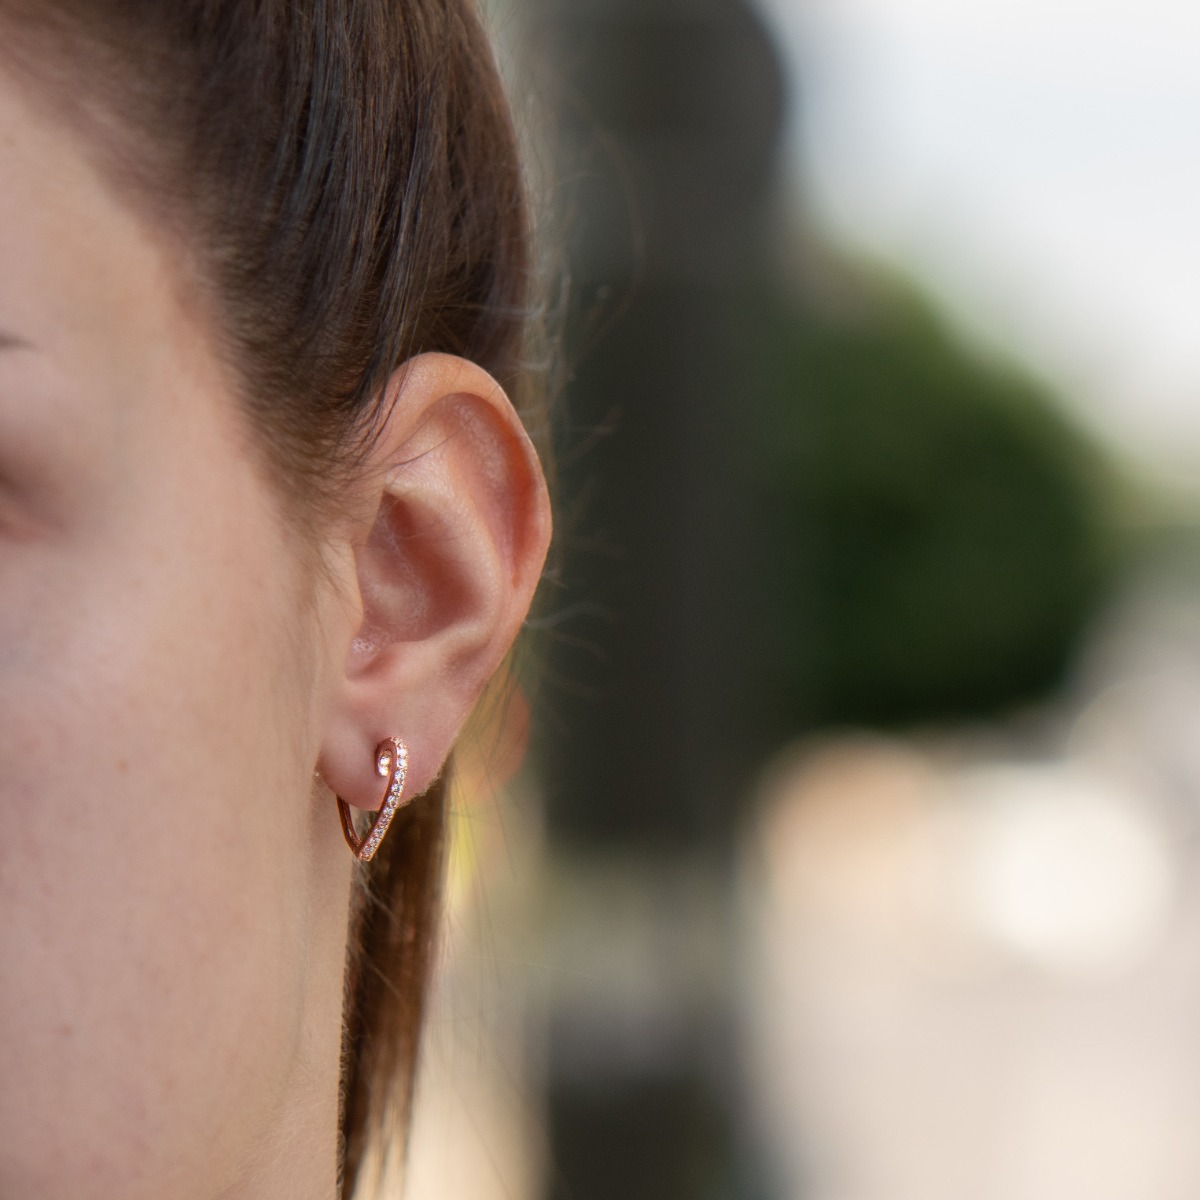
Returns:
(391, 760)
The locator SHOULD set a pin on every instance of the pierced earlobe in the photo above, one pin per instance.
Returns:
(391, 759)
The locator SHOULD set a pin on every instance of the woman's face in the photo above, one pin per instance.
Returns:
(160, 656)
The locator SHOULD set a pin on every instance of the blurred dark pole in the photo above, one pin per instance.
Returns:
(668, 122)
(668, 114)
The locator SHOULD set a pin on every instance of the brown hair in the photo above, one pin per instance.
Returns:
(344, 174)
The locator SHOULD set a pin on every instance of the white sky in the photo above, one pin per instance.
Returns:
(1036, 165)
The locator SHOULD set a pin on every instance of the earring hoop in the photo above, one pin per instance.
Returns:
(391, 759)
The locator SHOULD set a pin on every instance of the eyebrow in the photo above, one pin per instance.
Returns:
(10, 341)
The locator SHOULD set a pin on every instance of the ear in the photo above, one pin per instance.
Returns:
(448, 548)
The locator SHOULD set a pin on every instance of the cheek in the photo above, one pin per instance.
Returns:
(154, 731)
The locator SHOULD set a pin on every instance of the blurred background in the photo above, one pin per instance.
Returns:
(853, 853)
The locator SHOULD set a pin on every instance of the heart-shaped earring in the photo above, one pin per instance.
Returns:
(391, 759)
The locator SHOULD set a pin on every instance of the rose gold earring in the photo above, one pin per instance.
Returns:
(391, 759)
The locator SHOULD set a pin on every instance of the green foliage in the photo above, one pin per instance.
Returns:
(938, 525)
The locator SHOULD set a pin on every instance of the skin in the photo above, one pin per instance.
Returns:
(174, 668)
